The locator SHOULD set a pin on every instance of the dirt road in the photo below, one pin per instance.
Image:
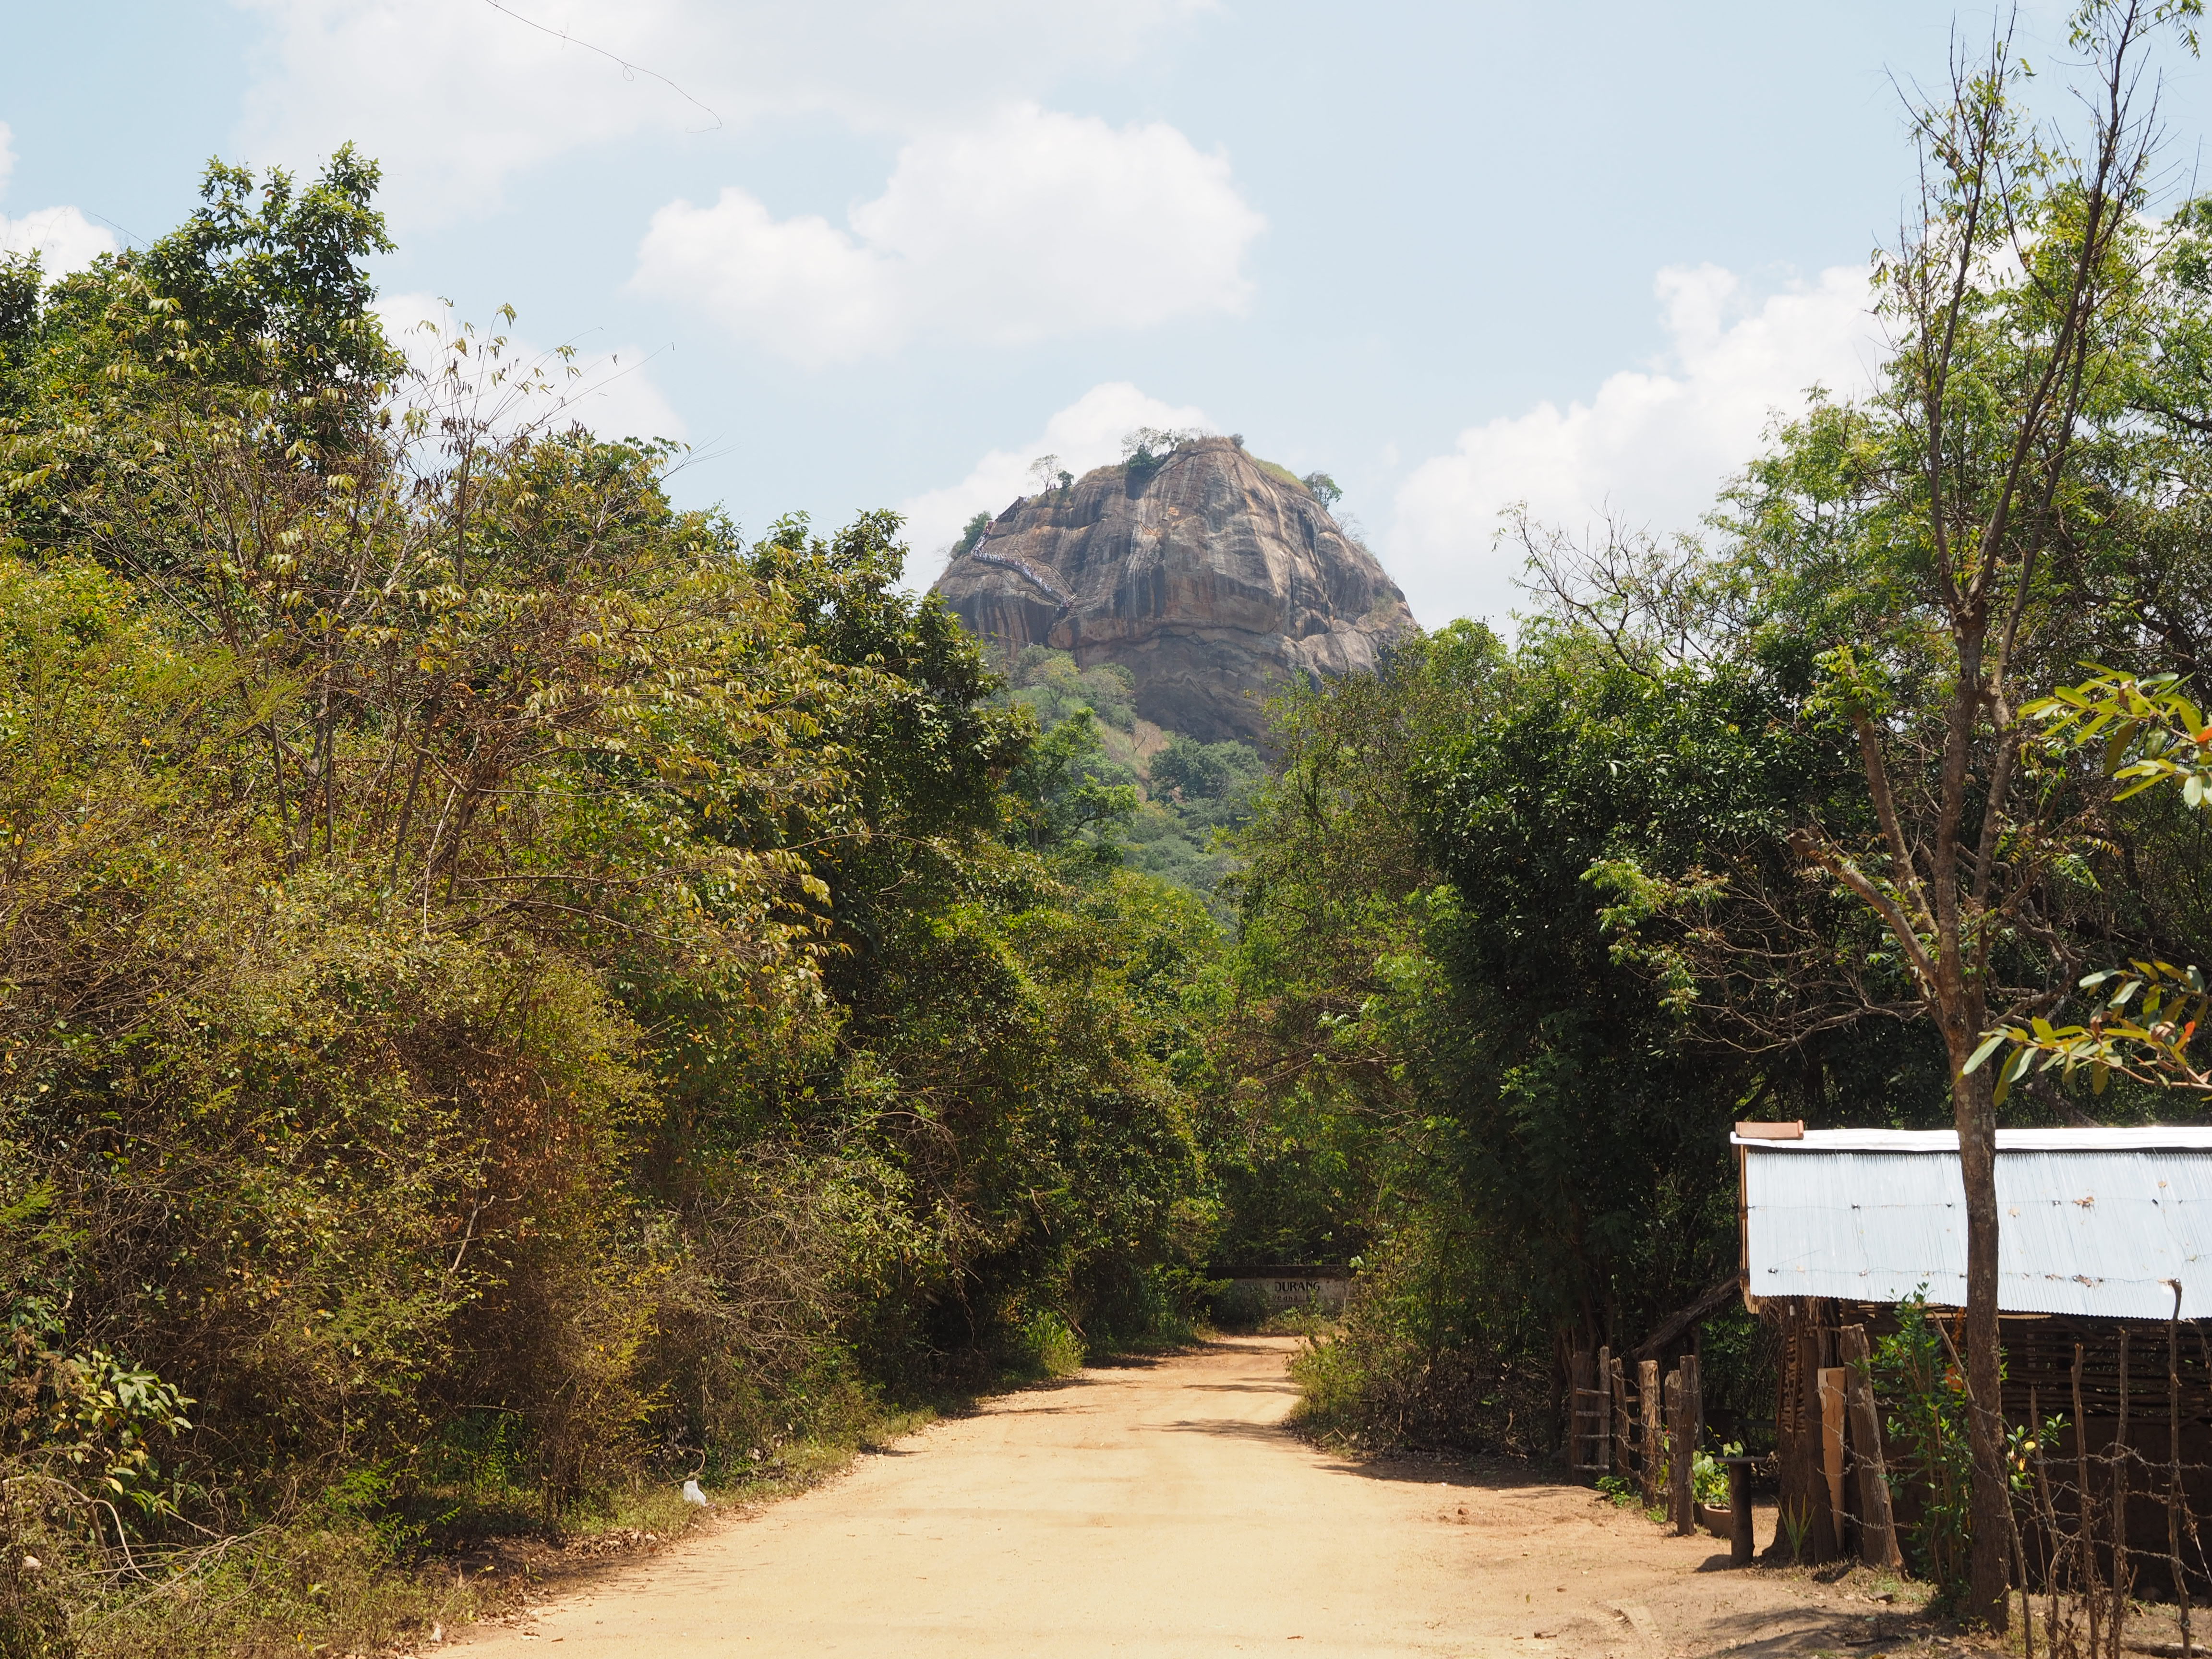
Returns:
(1160, 1509)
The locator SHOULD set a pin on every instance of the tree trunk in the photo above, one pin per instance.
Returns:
(1877, 1521)
(1990, 1506)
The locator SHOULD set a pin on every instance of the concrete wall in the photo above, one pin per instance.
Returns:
(1279, 1290)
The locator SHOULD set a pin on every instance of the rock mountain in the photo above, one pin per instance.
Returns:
(1210, 575)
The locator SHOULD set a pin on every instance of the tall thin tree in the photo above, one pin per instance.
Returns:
(2011, 293)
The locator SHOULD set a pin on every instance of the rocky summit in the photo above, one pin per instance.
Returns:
(1211, 576)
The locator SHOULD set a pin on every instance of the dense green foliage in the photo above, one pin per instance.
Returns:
(1460, 1063)
(1156, 801)
(1524, 929)
(506, 989)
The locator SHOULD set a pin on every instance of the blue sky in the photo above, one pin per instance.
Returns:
(882, 253)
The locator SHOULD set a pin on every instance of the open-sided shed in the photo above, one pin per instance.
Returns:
(2105, 1264)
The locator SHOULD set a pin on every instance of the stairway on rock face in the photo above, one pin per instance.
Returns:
(1210, 575)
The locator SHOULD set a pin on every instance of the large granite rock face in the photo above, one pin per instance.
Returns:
(1210, 577)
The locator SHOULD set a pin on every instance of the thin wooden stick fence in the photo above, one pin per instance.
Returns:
(2110, 1430)
(1646, 1432)
(2094, 1487)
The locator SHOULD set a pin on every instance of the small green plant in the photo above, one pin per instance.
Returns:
(1796, 1527)
(1916, 1373)
(1619, 1490)
(1926, 1423)
(1708, 1475)
(1051, 1345)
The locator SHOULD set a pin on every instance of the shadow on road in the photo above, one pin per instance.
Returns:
(1227, 1428)
(1504, 1475)
(1239, 1387)
(1772, 1631)
(1043, 1411)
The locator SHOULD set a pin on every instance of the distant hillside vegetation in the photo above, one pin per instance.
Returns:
(1179, 792)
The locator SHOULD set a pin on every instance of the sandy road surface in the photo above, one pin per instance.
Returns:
(1159, 1509)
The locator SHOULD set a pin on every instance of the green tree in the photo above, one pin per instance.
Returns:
(1457, 1047)
(971, 533)
(2142, 1018)
(275, 295)
(504, 984)
(2017, 300)
(1203, 771)
(1063, 782)
(1942, 545)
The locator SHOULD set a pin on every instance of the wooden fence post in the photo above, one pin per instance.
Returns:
(1602, 1431)
(1624, 1441)
(1693, 1431)
(1579, 1387)
(2123, 1576)
(1740, 1543)
(1833, 1386)
(1647, 1393)
(2177, 1501)
(1877, 1523)
(1681, 1386)
(1670, 1392)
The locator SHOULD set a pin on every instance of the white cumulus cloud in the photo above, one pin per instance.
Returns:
(610, 391)
(1029, 224)
(1651, 446)
(801, 287)
(1086, 433)
(64, 238)
(458, 97)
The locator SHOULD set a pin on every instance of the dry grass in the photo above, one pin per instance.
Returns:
(336, 1586)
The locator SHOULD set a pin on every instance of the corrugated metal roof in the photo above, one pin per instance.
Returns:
(2009, 1140)
(2086, 1224)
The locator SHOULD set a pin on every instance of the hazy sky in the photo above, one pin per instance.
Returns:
(880, 253)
